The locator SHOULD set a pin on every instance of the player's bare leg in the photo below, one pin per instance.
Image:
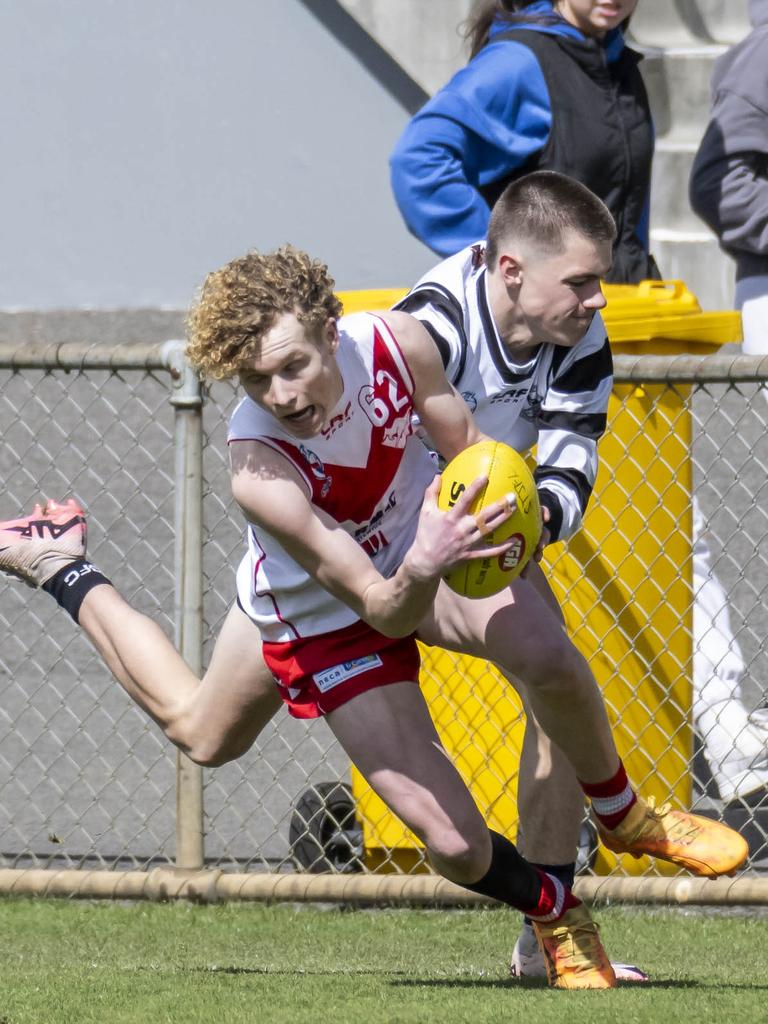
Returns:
(213, 720)
(389, 736)
(404, 762)
(547, 791)
(518, 630)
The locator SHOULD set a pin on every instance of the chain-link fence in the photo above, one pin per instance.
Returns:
(87, 781)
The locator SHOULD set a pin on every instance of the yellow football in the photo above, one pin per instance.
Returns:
(507, 474)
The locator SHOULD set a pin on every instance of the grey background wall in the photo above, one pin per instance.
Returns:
(146, 142)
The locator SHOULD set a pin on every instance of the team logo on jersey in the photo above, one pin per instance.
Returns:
(317, 469)
(370, 536)
(398, 432)
(532, 410)
(337, 421)
(471, 399)
(478, 256)
(512, 396)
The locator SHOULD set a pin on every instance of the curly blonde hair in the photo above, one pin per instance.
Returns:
(238, 304)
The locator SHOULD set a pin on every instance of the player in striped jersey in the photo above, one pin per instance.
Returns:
(517, 324)
(540, 379)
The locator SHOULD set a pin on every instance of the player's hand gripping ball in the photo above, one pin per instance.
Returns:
(507, 474)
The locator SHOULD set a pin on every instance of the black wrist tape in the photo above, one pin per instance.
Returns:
(510, 878)
(70, 585)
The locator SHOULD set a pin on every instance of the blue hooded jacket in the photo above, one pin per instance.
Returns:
(493, 117)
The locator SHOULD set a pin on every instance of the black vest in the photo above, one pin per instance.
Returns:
(601, 135)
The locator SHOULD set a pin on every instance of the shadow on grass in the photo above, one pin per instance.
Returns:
(627, 986)
(292, 972)
(404, 979)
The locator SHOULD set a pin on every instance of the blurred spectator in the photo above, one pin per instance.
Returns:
(552, 85)
(729, 191)
(729, 180)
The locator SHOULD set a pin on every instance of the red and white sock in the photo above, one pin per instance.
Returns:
(554, 901)
(612, 799)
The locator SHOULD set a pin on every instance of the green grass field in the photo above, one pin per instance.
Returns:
(68, 962)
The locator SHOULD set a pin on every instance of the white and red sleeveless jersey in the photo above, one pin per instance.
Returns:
(366, 469)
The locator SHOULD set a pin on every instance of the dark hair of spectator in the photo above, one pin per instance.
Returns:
(540, 209)
(476, 29)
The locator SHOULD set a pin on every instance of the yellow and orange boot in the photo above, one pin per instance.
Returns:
(573, 953)
(702, 846)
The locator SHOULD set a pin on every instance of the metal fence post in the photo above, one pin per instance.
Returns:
(187, 400)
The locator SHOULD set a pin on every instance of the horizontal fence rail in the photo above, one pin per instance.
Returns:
(95, 801)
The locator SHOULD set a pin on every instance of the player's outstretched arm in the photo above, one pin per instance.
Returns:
(272, 495)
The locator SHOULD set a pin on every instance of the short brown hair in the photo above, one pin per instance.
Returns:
(541, 208)
(238, 304)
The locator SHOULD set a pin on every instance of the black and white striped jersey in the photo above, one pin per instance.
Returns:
(556, 401)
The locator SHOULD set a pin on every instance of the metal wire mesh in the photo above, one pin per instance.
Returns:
(83, 778)
(87, 781)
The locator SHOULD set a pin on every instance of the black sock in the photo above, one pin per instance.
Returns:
(70, 585)
(564, 873)
(510, 878)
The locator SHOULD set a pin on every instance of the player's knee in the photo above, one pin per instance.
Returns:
(461, 854)
(559, 669)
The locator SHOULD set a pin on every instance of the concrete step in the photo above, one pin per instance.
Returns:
(672, 164)
(696, 258)
(678, 23)
(678, 83)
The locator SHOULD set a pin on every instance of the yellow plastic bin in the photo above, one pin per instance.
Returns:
(624, 582)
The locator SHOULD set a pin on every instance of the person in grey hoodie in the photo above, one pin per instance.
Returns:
(729, 179)
(729, 191)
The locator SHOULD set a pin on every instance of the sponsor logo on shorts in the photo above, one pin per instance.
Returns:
(514, 555)
(330, 677)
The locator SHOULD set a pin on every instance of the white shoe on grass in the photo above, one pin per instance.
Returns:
(528, 960)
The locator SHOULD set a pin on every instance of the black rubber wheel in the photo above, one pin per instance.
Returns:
(324, 833)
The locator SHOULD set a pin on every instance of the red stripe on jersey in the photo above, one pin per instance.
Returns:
(351, 493)
(268, 593)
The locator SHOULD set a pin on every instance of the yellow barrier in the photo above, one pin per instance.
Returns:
(624, 582)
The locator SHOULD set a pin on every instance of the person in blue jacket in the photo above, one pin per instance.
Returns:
(550, 85)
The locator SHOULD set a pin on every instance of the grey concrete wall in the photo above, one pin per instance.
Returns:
(425, 36)
(146, 143)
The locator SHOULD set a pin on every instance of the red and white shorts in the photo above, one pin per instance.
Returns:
(317, 674)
